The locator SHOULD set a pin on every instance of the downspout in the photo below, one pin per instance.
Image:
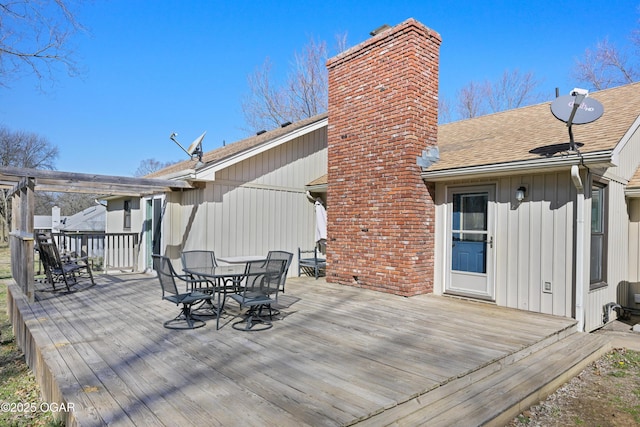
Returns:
(577, 182)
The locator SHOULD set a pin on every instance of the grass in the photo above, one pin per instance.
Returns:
(20, 400)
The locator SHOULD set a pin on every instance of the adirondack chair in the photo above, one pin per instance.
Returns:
(60, 269)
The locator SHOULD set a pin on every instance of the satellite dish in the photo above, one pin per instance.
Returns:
(589, 110)
(195, 149)
(577, 109)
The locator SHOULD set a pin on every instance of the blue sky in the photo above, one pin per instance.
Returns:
(151, 68)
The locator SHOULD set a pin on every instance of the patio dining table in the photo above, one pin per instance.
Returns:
(243, 259)
(224, 278)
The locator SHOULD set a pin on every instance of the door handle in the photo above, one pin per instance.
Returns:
(490, 242)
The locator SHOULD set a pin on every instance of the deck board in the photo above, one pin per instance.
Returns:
(336, 354)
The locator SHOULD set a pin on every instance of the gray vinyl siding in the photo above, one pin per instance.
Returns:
(629, 157)
(617, 255)
(253, 206)
(536, 243)
(634, 240)
(533, 242)
(631, 287)
(626, 238)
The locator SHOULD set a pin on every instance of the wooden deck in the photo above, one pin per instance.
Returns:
(336, 356)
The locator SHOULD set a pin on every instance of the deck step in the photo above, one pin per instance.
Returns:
(496, 399)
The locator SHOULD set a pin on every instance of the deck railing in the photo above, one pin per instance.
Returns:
(106, 251)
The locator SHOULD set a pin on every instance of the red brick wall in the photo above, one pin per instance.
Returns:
(383, 98)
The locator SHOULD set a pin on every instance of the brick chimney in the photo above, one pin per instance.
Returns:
(383, 112)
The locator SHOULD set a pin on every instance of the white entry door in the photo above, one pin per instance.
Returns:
(470, 242)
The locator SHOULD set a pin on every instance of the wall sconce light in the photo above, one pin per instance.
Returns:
(521, 193)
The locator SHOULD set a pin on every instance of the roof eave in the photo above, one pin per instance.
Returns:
(599, 159)
(221, 164)
(632, 193)
(318, 188)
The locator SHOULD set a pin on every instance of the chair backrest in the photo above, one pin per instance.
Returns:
(283, 256)
(49, 256)
(313, 251)
(263, 278)
(43, 237)
(196, 259)
(166, 274)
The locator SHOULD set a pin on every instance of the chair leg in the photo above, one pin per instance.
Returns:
(253, 317)
(90, 274)
(184, 320)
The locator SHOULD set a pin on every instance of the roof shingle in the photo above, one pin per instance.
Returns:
(214, 156)
(534, 132)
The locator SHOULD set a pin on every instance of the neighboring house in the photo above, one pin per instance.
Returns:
(417, 208)
(48, 222)
(77, 229)
(90, 219)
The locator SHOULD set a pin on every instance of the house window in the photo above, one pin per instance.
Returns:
(598, 273)
(127, 215)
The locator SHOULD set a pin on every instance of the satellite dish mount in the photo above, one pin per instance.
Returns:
(195, 149)
(577, 109)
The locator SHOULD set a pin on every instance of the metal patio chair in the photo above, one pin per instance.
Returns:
(285, 256)
(167, 277)
(200, 259)
(259, 293)
(197, 259)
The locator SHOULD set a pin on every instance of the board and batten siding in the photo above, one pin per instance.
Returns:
(626, 295)
(634, 239)
(617, 226)
(628, 157)
(253, 206)
(626, 285)
(532, 241)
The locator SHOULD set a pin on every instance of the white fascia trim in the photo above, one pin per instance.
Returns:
(625, 139)
(632, 192)
(319, 188)
(537, 165)
(183, 175)
(262, 148)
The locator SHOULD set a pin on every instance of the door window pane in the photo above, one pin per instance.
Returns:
(470, 212)
(469, 232)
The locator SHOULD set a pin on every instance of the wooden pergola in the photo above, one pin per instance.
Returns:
(23, 183)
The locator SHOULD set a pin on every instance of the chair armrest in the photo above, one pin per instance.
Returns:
(190, 281)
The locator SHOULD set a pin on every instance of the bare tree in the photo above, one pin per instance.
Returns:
(44, 202)
(303, 94)
(266, 105)
(23, 150)
(471, 100)
(512, 90)
(148, 166)
(34, 37)
(444, 110)
(26, 150)
(308, 86)
(72, 203)
(69, 203)
(606, 66)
